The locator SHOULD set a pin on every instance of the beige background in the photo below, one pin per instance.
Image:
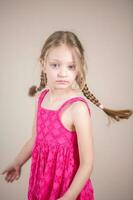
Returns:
(105, 29)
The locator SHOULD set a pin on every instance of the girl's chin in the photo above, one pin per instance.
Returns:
(66, 85)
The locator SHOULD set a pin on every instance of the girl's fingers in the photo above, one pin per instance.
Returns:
(9, 176)
(17, 174)
(12, 173)
(13, 177)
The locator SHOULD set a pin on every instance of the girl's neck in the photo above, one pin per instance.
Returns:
(55, 95)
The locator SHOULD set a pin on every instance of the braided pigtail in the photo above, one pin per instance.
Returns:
(33, 89)
(112, 114)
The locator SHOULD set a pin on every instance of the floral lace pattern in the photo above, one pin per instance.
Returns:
(55, 156)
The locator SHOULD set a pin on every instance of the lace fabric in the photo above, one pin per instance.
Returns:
(55, 155)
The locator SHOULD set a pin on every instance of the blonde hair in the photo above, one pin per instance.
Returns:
(71, 40)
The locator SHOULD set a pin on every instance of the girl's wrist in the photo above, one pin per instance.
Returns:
(16, 162)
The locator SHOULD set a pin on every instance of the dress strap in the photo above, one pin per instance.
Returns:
(74, 99)
(41, 96)
(65, 104)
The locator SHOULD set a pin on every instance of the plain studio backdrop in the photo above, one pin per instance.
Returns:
(105, 28)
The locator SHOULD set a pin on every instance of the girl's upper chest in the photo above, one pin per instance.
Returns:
(65, 113)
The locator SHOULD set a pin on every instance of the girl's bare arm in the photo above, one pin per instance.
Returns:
(25, 152)
(83, 125)
(13, 171)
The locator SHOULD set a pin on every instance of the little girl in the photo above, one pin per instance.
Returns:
(61, 144)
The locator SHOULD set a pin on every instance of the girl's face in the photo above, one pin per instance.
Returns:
(60, 68)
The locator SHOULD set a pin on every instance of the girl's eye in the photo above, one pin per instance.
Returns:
(53, 64)
(71, 67)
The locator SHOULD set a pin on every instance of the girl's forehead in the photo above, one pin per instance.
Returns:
(61, 53)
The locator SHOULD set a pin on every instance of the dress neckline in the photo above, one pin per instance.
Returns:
(60, 107)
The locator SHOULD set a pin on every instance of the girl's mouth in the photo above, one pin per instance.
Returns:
(61, 81)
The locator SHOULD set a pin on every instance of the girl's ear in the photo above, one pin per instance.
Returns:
(41, 61)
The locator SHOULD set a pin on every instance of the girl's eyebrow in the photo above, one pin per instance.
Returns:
(60, 61)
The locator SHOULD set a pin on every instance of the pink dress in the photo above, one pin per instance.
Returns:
(55, 156)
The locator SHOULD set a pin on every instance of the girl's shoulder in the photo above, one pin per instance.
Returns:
(78, 93)
(81, 102)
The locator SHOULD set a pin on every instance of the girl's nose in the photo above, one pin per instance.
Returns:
(62, 72)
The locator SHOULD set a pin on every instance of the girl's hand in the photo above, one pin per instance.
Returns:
(12, 172)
